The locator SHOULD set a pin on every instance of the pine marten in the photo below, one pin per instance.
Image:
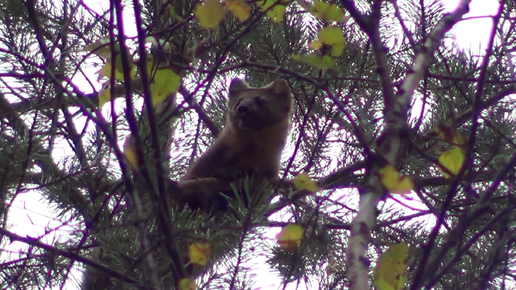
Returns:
(256, 129)
(254, 135)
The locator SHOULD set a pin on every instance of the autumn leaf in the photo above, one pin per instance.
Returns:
(105, 71)
(209, 13)
(187, 284)
(239, 8)
(276, 13)
(394, 182)
(327, 12)
(290, 237)
(316, 61)
(200, 253)
(315, 45)
(166, 82)
(452, 160)
(389, 273)
(333, 35)
(130, 153)
(304, 182)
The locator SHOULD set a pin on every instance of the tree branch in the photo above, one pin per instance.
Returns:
(389, 148)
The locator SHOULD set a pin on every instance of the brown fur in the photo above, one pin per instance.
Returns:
(255, 133)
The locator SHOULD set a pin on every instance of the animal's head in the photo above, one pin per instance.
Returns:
(254, 109)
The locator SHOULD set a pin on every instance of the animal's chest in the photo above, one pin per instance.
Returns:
(260, 153)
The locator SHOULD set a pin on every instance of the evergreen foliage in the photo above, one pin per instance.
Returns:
(459, 231)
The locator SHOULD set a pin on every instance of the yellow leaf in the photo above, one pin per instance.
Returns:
(328, 12)
(200, 253)
(187, 284)
(452, 160)
(290, 237)
(276, 13)
(105, 71)
(315, 45)
(210, 13)
(324, 62)
(130, 154)
(166, 82)
(389, 273)
(241, 9)
(304, 182)
(394, 182)
(337, 50)
(333, 35)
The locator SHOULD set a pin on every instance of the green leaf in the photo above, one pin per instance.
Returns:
(452, 160)
(209, 13)
(276, 13)
(389, 273)
(165, 82)
(333, 35)
(327, 12)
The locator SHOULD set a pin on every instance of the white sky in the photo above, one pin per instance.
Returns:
(30, 217)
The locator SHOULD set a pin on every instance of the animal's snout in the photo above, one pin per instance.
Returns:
(250, 106)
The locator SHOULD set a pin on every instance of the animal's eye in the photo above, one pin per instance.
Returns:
(241, 109)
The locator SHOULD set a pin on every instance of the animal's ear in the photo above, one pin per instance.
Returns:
(236, 86)
(281, 87)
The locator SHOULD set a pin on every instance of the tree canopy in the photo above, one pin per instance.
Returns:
(397, 173)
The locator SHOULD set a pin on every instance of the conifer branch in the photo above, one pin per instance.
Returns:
(396, 111)
(67, 195)
(66, 253)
